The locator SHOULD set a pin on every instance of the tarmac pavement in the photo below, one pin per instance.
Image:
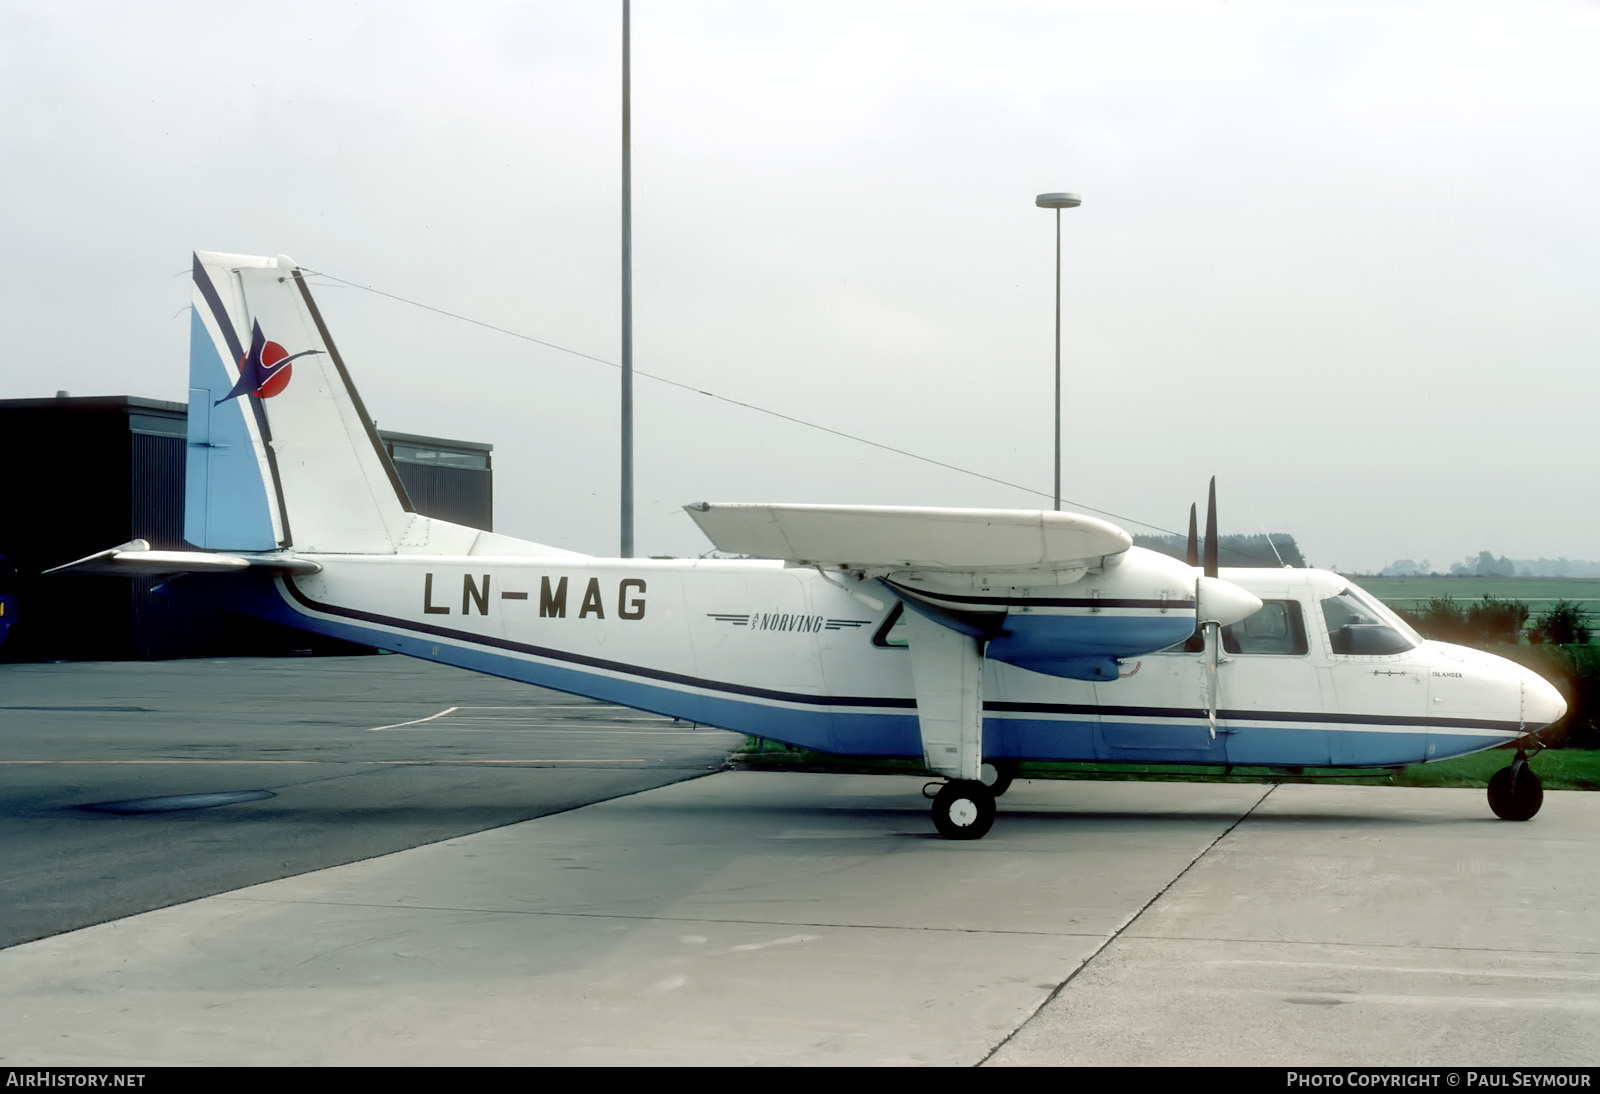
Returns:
(131, 786)
(779, 918)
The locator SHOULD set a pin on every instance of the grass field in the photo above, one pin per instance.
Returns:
(1559, 769)
(1537, 592)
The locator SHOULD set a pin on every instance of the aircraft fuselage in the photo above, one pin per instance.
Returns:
(787, 653)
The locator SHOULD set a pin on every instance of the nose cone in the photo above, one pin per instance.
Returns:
(1541, 702)
(1472, 683)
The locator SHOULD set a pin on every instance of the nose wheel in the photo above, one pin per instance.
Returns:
(1515, 792)
(963, 810)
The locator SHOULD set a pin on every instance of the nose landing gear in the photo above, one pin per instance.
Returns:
(1515, 792)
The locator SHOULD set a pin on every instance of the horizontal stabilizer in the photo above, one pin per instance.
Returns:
(870, 536)
(136, 559)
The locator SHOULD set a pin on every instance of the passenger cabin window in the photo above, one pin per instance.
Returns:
(1277, 628)
(1357, 628)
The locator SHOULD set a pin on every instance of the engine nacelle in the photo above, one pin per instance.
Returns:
(1078, 630)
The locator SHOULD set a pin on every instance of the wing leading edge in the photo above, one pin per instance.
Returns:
(907, 538)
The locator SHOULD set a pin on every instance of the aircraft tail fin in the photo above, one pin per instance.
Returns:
(281, 451)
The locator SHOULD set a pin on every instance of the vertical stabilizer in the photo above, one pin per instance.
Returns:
(281, 451)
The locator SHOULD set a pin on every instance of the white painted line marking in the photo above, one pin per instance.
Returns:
(416, 721)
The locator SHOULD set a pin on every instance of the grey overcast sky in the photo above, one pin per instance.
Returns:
(1341, 255)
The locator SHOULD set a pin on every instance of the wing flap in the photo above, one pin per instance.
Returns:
(903, 537)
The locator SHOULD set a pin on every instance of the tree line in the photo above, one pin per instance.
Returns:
(1261, 549)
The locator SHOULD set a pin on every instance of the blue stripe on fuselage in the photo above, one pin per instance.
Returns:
(1065, 734)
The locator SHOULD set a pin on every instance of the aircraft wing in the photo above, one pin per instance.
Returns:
(136, 559)
(899, 537)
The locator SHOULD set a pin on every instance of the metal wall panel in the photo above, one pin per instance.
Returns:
(457, 494)
(80, 475)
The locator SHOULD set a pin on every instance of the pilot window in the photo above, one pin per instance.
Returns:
(1278, 628)
(1357, 628)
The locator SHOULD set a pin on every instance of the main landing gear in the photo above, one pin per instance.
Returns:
(964, 809)
(1515, 792)
(997, 775)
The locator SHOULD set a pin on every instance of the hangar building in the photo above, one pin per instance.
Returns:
(78, 475)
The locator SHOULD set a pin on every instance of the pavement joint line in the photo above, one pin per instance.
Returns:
(416, 721)
(540, 718)
(559, 720)
(572, 730)
(1425, 971)
(651, 918)
(1129, 922)
(1336, 944)
(338, 763)
(568, 706)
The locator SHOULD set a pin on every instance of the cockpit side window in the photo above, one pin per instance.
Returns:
(1358, 628)
(1278, 628)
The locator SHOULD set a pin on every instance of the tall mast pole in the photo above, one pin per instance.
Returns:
(1058, 361)
(1058, 202)
(627, 300)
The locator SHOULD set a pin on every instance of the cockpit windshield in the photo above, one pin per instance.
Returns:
(1359, 626)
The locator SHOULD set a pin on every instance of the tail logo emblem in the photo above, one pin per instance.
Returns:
(265, 370)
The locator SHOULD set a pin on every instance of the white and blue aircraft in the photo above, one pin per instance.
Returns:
(971, 639)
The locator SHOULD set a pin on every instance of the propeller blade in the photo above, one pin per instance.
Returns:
(1216, 602)
(1213, 641)
(1192, 555)
(1211, 530)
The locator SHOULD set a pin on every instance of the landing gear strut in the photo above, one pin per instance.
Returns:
(1515, 792)
(997, 775)
(963, 810)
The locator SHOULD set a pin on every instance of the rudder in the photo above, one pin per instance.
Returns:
(281, 451)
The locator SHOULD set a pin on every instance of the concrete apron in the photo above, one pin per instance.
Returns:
(814, 919)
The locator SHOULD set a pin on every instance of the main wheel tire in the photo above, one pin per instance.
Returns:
(1515, 793)
(998, 774)
(963, 810)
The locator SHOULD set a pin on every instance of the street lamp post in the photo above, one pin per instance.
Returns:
(626, 491)
(1058, 202)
